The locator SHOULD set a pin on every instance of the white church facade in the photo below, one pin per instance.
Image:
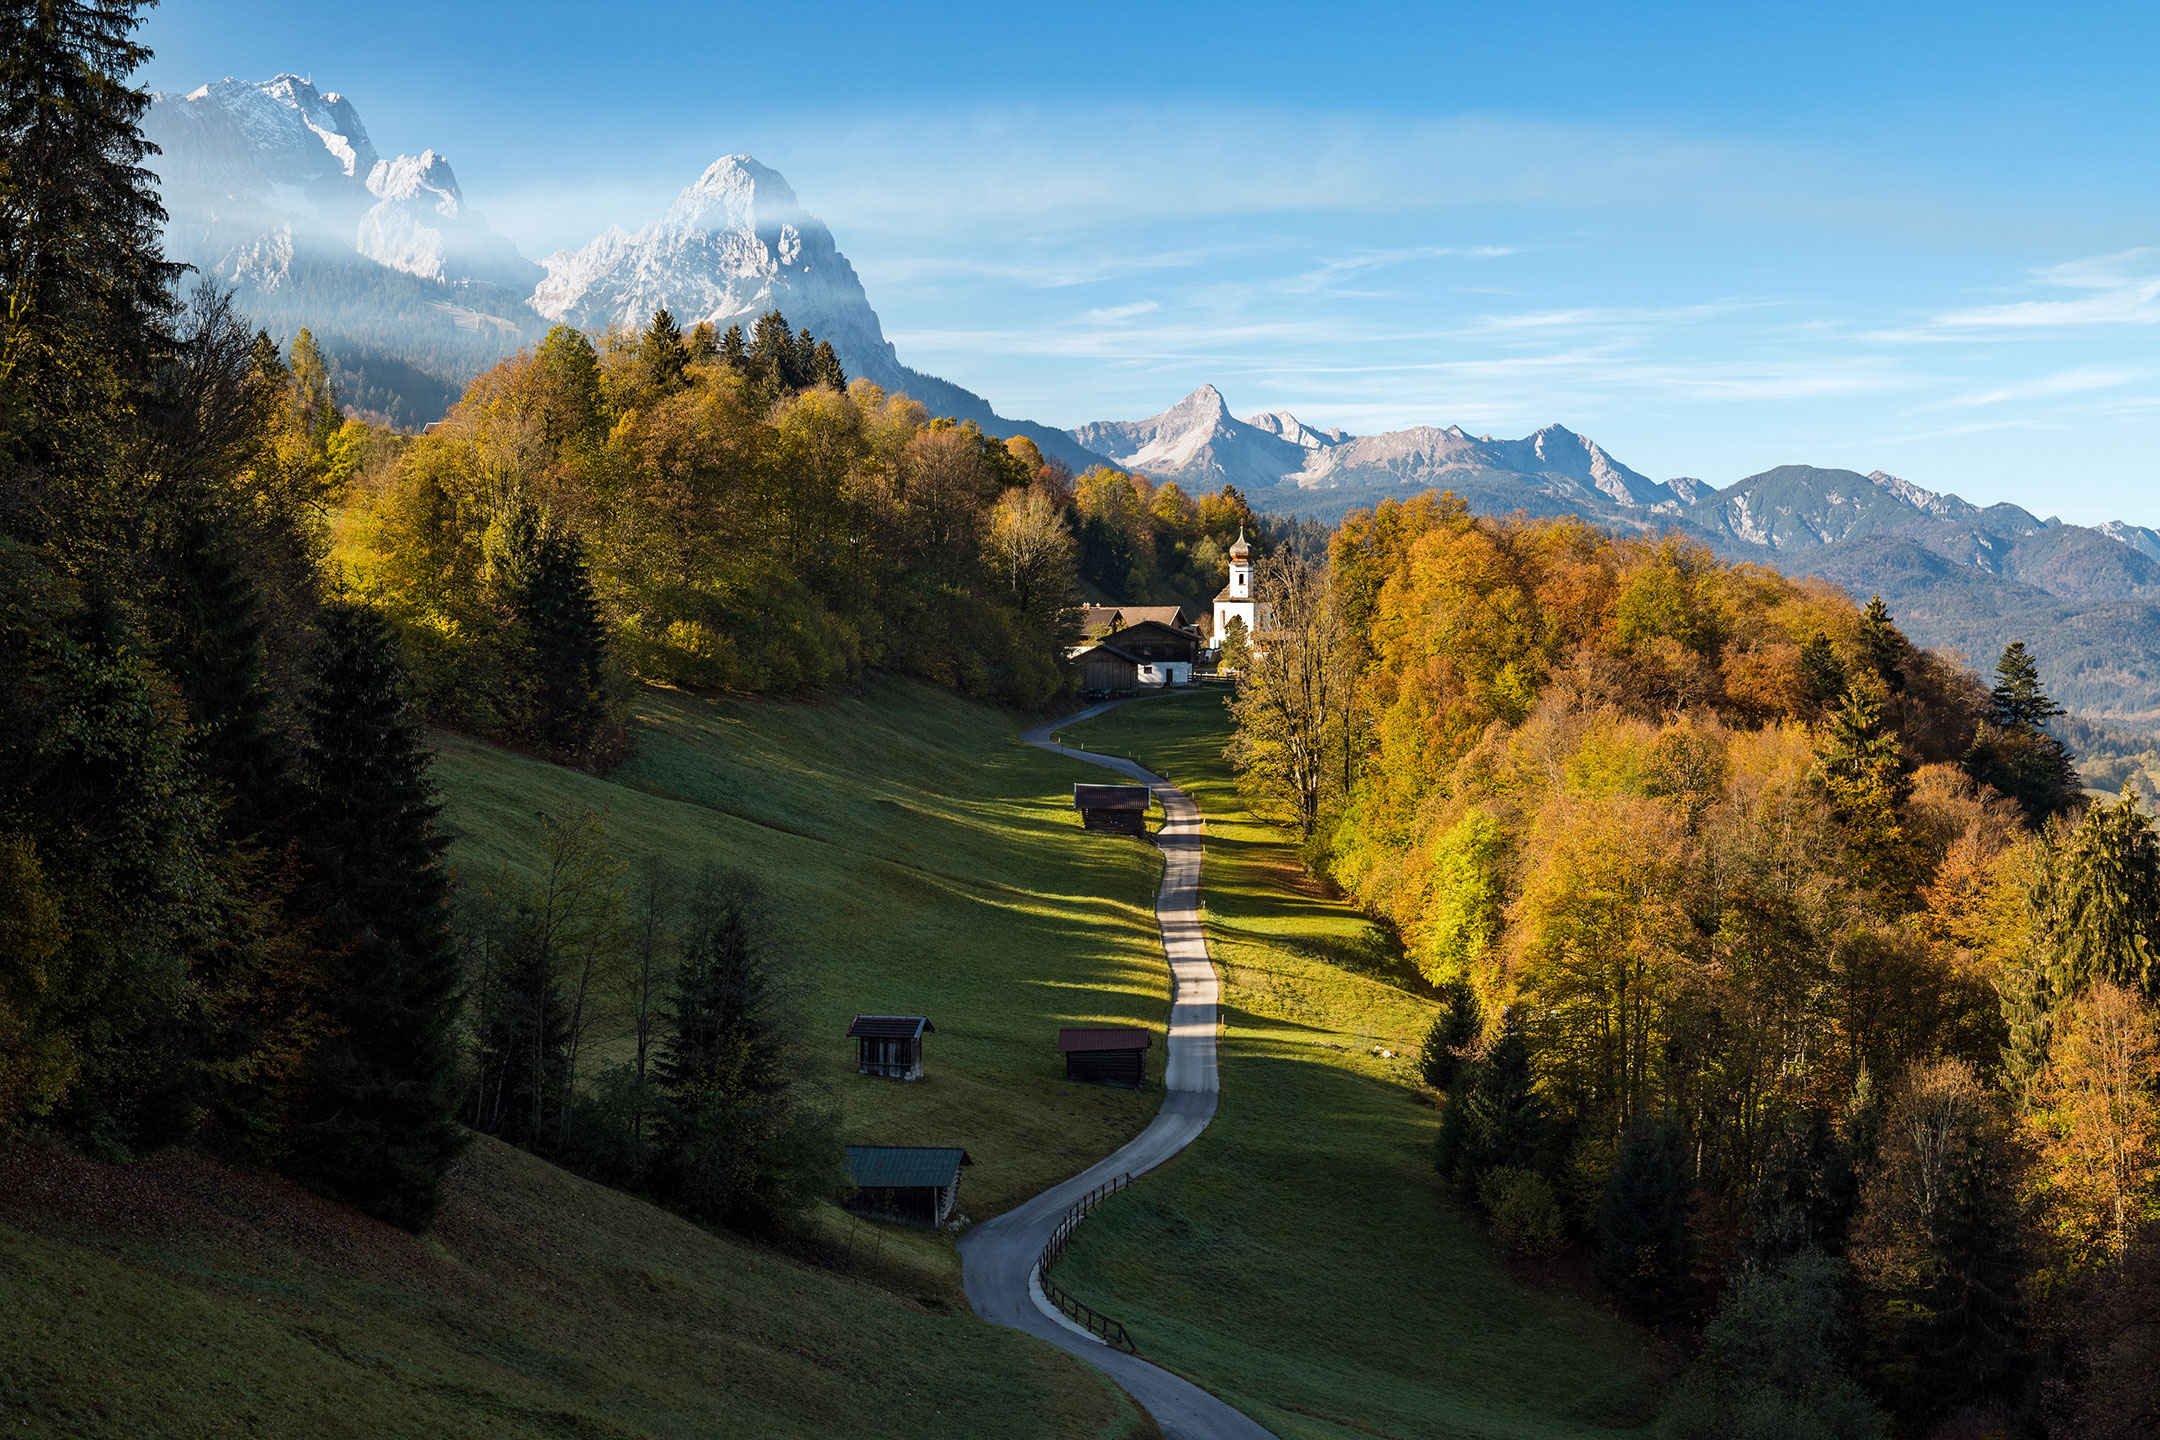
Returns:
(1237, 598)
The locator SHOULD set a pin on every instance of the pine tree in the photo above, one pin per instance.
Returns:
(733, 352)
(568, 643)
(661, 352)
(825, 367)
(1494, 1115)
(1859, 766)
(1821, 672)
(1642, 1224)
(1454, 1030)
(1882, 646)
(84, 289)
(378, 1130)
(2020, 702)
(745, 1144)
(701, 346)
(217, 655)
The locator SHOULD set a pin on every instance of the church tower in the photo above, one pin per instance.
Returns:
(1237, 598)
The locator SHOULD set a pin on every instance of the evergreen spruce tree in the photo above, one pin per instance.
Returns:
(84, 288)
(568, 642)
(2017, 756)
(1822, 672)
(1642, 1224)
(378, 1129)
(1494, 1115)
(744, 1143)
(1454, 1030)
(825, 367)
(702, 346)
(1859, 766)
(733, 352)
(1882, 646)
(661, 352)
(217, 656)
(2020, 703)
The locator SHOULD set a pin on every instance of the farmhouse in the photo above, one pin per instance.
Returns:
(1122, 808)
(1105, 1056)
(915, 1185)
(889, 1045)
(1157, 652)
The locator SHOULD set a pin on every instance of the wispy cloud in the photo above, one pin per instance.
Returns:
(2065, 382)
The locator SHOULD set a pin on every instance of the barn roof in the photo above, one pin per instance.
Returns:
(1173, 616)
(1142, 629)
(871, 1166)
(1118, 1038)
(890, 1027)
(1100, 619)
(1109, 649)
(1110, 797)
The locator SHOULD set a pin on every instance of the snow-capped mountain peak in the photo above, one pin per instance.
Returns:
(426, 177)
(1285, 426)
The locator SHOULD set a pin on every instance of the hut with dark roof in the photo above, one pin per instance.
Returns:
(1108, 1056)
(889, 1045)
(1122, 808)
(913, 1184)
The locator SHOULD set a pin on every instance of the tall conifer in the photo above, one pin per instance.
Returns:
(378, 1130)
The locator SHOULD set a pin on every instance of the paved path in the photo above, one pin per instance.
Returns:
(998, 1256)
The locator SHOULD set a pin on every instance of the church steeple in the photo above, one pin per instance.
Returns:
(1241, 567)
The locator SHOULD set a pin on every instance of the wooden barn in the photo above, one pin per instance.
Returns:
(1107, 1056)
(1107, 669)
(889, 1045)
(915, 1185)
(1122, 808)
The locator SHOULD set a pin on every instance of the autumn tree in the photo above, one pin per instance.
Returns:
(1298, 734)
(2096, 1125)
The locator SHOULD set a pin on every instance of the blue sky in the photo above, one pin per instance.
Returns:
(1716, 238)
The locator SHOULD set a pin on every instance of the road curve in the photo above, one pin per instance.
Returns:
(998, 1257)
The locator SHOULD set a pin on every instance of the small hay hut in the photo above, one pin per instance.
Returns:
(911, 1184)
(889, 1045)
(1122, 808)
(1108, 1056)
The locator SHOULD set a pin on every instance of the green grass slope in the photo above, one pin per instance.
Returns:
(176, 1298)
(1302, 1260)
(924, 861)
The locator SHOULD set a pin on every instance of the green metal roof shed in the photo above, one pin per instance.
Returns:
(911, 1183)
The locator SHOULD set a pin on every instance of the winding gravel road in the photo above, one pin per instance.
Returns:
(998, 1257)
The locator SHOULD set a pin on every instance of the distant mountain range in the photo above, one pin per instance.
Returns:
(1957, 575)
(274, 189)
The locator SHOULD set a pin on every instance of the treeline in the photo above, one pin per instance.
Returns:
(1144, 542)
(223, 915)
(1787, 968)
(705, 512)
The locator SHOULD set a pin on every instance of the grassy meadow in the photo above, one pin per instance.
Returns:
(1302, 1260)
(921, 860)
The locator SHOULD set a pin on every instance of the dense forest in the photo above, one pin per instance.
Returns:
(1791, 976)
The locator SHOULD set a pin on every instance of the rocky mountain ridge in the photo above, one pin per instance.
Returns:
(275, 189)
(1959, 576)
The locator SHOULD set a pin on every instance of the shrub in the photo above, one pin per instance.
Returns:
(1525, 1214)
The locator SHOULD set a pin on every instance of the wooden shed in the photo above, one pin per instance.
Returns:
(1106, 1056)
(889, 1045)
(1122, 808)
(915, 1185)
(1107, 668)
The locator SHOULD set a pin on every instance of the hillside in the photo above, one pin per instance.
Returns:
(923, 860)
(1302, 1259)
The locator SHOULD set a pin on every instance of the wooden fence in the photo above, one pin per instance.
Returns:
(1102, 1327)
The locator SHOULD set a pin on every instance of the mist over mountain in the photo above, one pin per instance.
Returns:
(1958, 576)
(274, 189)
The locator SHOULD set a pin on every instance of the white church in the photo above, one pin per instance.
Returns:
(1236, 598)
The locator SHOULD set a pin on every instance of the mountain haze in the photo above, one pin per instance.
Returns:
(274, 189)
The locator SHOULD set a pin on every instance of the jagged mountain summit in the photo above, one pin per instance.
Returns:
(1197, 443)
(734, 244)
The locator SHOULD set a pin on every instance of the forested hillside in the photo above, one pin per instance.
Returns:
(1792, 975)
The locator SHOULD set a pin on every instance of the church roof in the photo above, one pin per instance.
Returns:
(1241, 548)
